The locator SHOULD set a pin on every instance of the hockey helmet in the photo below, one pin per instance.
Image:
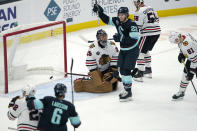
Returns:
(124, 10)
(60, 89)
(173, 36)
(141, 1)
(29, 91)
(137, 3)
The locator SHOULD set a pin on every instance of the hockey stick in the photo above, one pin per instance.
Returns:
(191, 80)
(90, 41)
(51, 70)
(83, 38)
(98, 23)
(71, 81)
(76, 74)
(65, 73)
(11, 128)
(71, 68)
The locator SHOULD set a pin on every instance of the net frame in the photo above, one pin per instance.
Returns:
(16, 32)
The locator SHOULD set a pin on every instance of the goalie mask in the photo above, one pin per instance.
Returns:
(174, 37)
(101, 36)
(29, 91)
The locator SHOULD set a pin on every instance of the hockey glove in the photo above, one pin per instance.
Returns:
(181, 58)
(116, 37)
(12, 102)
(30, 103)
(189, 76)
(97, 8)
(115, 73)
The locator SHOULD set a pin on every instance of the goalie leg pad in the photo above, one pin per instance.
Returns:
(96, 77)
(81, 85)
(96, 84)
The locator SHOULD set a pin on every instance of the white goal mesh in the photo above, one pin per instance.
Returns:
(29, 54)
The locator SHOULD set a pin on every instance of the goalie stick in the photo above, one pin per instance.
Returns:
(90, 41)
(51, 77)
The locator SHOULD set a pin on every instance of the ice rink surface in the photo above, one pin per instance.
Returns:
(151, 109)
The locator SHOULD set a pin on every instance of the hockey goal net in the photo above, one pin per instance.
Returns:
(29, 54)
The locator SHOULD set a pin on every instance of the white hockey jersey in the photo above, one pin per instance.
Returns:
(189, 49)
(27, 120)
(102, 58)
(148, 21)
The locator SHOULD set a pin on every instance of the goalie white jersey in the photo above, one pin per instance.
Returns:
(27, 120)
(148, 21)
(102, 58)
(189, 49)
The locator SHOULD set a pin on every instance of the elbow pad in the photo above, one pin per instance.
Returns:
(76, 126)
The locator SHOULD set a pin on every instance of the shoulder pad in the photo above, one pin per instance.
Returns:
(92, 46)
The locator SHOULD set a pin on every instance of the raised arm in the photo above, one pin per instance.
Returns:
(99, 9)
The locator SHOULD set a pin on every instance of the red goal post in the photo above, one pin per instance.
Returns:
(12, 32)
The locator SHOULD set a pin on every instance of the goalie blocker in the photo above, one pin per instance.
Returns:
(97, 83)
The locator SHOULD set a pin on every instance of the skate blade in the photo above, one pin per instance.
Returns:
(138, 80)
(179, 99)
(148, 76)
(125, 100)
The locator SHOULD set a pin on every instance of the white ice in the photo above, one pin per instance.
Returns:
(151, 109)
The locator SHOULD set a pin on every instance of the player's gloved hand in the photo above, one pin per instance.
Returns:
(189, 76)
(12, 102)
(116, 37)
(181, 58)
(30, 102)
(97, 8)
(115, 74)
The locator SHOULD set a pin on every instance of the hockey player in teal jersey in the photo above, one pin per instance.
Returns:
(56, 111)
(128, 36)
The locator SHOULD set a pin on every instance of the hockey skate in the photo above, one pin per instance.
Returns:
(125, 95)
(148, 72)
(178, 96)
(139, 76)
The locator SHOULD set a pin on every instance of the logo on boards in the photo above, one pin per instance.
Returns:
(52, 11)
